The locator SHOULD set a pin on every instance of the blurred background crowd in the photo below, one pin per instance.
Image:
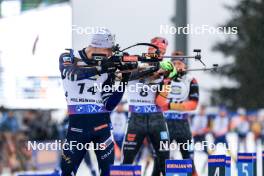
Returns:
(33, 33)
(17, 127)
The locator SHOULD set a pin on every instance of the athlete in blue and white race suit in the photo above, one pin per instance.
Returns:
(88, 108)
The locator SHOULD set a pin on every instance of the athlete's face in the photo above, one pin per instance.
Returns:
(153, 50)
(202, 111)
(222, 114)
(106, 51)
(162, 52)
(243, 117)
(179, 65)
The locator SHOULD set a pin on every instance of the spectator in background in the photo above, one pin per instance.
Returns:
(2, 112)
(261, 121)
(39, 125)
(241, 125)
(119, 123)
(200, 127)
(10, 152)
(10, 123)
(220, 127)
(1, 152)
(255, 127)
(30, 125)
(24, 156)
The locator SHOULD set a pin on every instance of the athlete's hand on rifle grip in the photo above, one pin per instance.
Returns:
(161, 71)
(107, 66)
(168, 67)
(125, 77)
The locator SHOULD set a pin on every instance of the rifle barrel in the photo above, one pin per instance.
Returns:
(188, 57)
(201, 69)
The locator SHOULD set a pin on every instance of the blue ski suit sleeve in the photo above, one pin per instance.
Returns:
(70, 71)
(112, 96)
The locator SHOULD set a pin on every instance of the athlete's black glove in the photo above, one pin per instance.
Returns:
(125, 77)
(107, 66)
